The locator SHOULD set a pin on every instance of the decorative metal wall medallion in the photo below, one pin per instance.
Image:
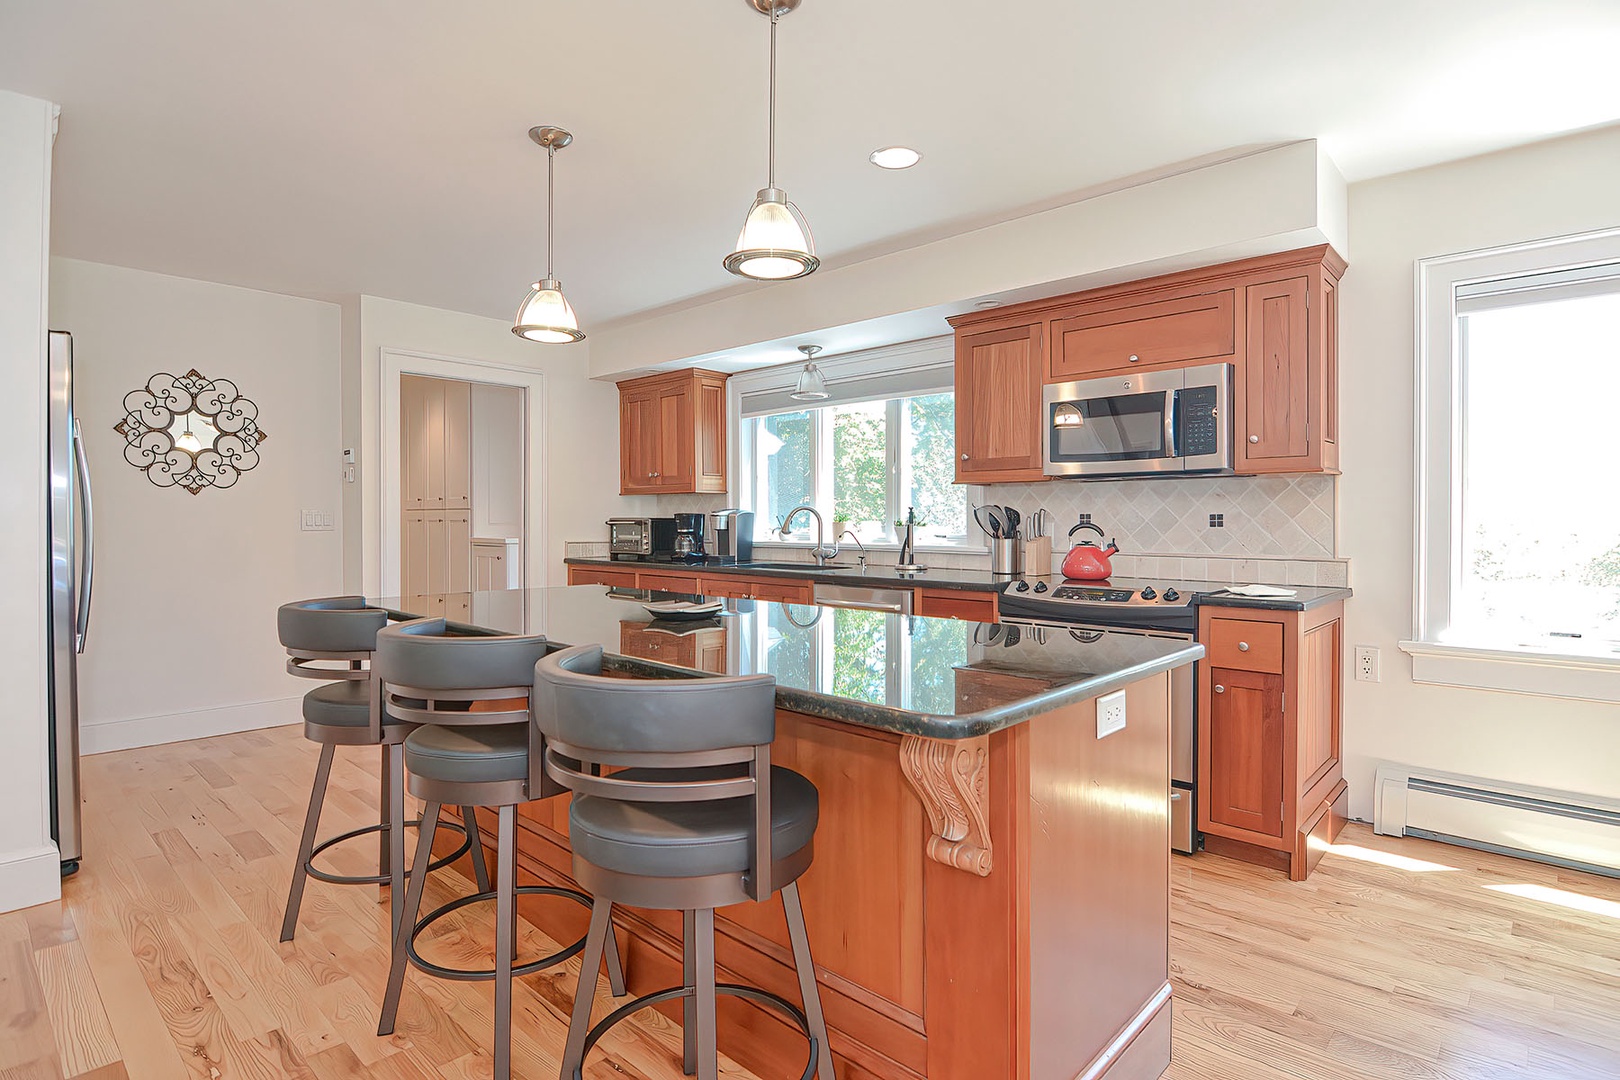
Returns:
(191, 432)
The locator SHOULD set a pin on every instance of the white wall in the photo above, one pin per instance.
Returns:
(497, 463)
(1550, 189)
(576, 437)
(30, 871)
(182, 640)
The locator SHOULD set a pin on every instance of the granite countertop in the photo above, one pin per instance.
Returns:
(937, 678)
(1208, 593)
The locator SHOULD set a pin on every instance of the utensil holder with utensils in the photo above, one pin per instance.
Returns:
(1006, 556)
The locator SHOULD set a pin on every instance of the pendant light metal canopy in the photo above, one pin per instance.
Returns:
(812, 383)
(545, 314)
(775, 243)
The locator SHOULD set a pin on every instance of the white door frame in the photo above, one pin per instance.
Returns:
(399, 362)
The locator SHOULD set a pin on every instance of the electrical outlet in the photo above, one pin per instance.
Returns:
(1367, 663)
(1110, 714)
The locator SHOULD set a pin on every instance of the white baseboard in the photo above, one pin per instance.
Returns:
(134, 731)
(30, 876)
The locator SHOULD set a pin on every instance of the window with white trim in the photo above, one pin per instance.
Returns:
(1518, 501)
(880, 445)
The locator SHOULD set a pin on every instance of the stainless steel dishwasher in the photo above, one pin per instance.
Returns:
(863, 598)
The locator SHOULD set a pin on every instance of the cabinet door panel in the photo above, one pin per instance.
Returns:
(413, 555)
(1244, 742)
(711, 437)
(1276, 392)
(433, 437)
(413, 448)
(458, 551)
(999, 374)
(638, 435)
(1186, 329)
(457, 444)
(438, 540)
(676, 464)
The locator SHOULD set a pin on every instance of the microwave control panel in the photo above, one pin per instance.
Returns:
(1200, 433)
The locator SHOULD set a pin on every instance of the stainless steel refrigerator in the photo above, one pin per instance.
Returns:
(71, 545)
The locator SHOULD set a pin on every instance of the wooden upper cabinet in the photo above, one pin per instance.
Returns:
(1112, 335)
(1274, 318)
(672, 434)
(999, 374)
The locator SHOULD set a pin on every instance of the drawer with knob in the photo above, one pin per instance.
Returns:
(1245, 645)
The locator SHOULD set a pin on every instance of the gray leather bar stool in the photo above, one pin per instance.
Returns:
(696, 818)
(332, 639)
(475, 747)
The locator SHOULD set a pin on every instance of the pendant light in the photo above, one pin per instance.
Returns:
(812, 383)
(545, 314)
(188, 441)
(775, 243)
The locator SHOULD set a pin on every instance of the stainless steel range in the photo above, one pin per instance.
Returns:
(1156, 609)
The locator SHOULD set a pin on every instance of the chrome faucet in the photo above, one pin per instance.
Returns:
(858, 544)
(821, 551)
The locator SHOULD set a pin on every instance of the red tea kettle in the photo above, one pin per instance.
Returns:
(1085, 560)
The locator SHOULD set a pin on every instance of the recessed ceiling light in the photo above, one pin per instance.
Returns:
(988, 304)
(895, 157)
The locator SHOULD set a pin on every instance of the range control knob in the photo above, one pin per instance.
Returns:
(1040, 586)
(1022, 586)
(1171, 596)
(1148, 593)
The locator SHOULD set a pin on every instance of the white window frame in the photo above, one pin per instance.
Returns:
(929, 353)
(1436, 657)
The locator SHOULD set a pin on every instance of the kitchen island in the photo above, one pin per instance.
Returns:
(990, 891)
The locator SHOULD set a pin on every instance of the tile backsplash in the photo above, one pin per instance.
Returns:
(1275, 529)
(1265, 517)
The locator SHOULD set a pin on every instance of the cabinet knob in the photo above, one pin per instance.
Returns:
(1243, 646)
(1135, 358)
(964, 457)
(653, 475)
(1254, 438)
(1219, 689)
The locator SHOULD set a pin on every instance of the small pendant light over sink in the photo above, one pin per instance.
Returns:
(775, 243)
(545, 314)
(812, 384)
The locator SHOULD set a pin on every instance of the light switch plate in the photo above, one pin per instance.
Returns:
(315, 521)
(1110, 714)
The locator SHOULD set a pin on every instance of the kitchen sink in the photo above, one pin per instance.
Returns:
(806, 567)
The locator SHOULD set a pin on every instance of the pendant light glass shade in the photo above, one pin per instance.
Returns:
(812, 385)
(775, 243)
(546, 316)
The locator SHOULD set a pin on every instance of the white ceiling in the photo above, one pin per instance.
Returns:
(379, 146)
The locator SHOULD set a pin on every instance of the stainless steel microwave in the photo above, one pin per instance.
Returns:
(1170, 422)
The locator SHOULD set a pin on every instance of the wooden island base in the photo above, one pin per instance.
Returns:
(1008, 920)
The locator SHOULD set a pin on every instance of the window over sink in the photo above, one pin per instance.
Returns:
(881, 443)
(1518, 581)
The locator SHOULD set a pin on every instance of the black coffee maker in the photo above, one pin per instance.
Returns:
(689, 537)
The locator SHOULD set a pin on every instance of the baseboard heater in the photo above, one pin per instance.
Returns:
(1564, 828)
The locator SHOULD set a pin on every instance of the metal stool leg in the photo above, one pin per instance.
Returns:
(615, 970)
(808, 989)
(394, 774)
(385, 777)
(689, 1004)
(407, 919)
(469, 821)
(505, 936)
(312, 821)
(707, 1045)
(579, 1024)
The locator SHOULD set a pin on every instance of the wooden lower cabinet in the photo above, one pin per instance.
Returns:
(701, 649)
(956, 604)
(602, 575)
(1271, 782)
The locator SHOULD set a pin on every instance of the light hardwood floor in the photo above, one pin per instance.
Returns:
(1398, 959)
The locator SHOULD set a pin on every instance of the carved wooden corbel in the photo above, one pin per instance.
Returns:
(952, 778)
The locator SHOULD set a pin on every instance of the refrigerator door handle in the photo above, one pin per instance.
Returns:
(87, 577)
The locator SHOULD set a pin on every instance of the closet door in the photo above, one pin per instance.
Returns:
(413, 448)
(458, 551)
(457, 444)
(433, 436)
